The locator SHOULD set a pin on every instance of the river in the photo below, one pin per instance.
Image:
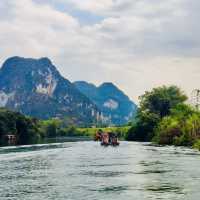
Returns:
(87, 171)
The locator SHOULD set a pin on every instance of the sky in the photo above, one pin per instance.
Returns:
(136, 44)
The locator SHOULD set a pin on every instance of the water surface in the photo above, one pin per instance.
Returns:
(85, 170)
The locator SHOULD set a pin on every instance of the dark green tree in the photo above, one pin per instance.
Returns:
(51, 130)
(27, 130)
(161, 100)
(24, 128)
(154, 105)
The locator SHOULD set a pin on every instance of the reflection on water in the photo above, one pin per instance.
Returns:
(163, 188)
(153, 171)
(85, 170)
(106, 173)
(150, 163)
(111, 189)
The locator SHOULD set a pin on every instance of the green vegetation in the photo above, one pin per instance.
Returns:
(165, 118)
(28, 130)
(197, 144)
(120, 131)
(182, 127)
(25, 129)
(154, 106)
(58, 128)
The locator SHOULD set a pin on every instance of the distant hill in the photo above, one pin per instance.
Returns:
(115, 106)
(35, 87)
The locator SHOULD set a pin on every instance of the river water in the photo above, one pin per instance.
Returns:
(87, 171)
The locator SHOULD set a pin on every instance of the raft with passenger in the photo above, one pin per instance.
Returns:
(107, 138)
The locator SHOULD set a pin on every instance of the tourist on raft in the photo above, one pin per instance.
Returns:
(106, 138)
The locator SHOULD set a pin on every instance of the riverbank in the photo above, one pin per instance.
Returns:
(165, 117)
(18, 129)
(120, 131)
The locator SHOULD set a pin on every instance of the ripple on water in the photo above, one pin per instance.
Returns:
(18, 149)
(162, 188)
(88, 171)
(150, 163)
(153, 171)
(106, 174)
(112, 189)
(102, 166)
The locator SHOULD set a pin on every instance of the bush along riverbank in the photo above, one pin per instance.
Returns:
(164, 118)
(18, 129)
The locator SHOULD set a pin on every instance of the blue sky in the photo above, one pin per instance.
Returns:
(137, 44)
(84, 17)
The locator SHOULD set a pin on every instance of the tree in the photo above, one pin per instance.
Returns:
(154, 106)
(24, 128)
(161, 100)
(27, 130)
(51, 130)
(182, 127)
(143, 128)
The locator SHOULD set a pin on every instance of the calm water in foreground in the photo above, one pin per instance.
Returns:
(87, 171)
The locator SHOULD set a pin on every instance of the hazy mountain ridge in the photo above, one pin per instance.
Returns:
(116, 107)
(35, 87)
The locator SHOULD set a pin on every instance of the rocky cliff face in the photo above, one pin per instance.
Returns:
(115, 106)
(34, 87)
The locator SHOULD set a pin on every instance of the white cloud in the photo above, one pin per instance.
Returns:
(34, 30)
(93, 6)
(137, 45)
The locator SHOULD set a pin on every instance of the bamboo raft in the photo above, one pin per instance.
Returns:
(107, 138)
